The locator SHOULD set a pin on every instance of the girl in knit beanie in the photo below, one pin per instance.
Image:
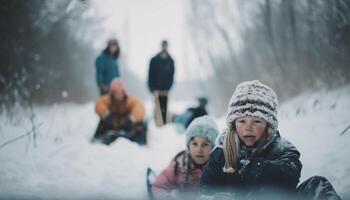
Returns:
(251, 153)
(251, 120)
(184, 172)
(251, 157)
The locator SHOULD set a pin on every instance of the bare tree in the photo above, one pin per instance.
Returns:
(291, 45)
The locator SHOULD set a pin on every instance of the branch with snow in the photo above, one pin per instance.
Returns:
(21, 136)
(344, 131)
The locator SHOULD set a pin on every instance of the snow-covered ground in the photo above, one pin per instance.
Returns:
(314, 123)
(65, 165)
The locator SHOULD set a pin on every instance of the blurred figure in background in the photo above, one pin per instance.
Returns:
(122, 115)
(107, 66)
(181, 178)
(160, 80)
(183, 120)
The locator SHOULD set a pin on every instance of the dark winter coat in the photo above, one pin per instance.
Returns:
(161, 73)
(106, 69)
(196, 112)
(277, 166)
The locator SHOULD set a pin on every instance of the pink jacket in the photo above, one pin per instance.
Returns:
(167, 181)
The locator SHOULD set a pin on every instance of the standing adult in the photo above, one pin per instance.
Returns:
(107, 66)
(160, 80)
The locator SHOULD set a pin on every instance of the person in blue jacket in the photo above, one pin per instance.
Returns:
(107, 66)
(251, 160)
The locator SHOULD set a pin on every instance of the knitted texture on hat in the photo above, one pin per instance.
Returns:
(202, 126)
(252, 98)
(117, 85)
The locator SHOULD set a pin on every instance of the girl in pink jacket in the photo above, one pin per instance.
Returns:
(183, 174)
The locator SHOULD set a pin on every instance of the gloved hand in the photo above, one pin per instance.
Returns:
(108, 121)
(128, 124)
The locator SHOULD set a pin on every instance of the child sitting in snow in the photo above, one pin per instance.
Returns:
(251, 158)
(122, 115)
(184, 172)
(183, 120)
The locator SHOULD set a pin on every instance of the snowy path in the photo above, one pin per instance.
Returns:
(64, 165)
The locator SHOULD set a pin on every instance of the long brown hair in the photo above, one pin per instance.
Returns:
(185, 163)
(117, 52)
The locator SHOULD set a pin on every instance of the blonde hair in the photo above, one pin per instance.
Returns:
(231, 151)
(232, 145)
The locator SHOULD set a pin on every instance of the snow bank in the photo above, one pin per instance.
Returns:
(65, 165)
(313, 122)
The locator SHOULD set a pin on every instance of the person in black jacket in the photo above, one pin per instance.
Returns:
(160, 80)
(251, 160)
(184, 120)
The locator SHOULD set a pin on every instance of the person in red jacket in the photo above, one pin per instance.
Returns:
(121, 114)
(185, 170)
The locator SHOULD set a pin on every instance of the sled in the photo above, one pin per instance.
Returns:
(110, 136)
(106, 135)
(161, 107)
(150, 177)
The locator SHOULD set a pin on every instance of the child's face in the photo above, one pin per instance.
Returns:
(118, 96)
(200, 149)
(250, 129)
